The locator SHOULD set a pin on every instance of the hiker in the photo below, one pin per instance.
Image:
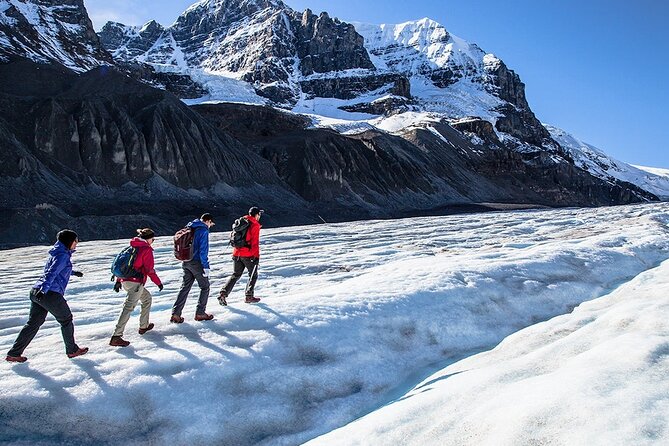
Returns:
(143, 265)
(46, 297)
(196, 269)
(248, 257)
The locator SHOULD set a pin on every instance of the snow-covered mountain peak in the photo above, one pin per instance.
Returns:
(49, 30)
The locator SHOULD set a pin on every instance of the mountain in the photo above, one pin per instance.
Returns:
(89, 145)
(101, 151)
(317, 64)
(50, 31)
(598, 163)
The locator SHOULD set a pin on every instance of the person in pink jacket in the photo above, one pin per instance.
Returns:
(135, 287)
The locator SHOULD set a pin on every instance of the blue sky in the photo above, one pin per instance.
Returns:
(596, 68)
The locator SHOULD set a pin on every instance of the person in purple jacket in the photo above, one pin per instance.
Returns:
(47, 296)
(196, 269)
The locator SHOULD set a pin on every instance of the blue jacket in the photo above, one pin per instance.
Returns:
(57, 270)
(200, 242)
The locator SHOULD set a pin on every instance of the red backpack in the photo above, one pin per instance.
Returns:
(183, 244)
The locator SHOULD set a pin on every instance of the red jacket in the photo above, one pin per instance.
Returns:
(143, 263)
(252, 240)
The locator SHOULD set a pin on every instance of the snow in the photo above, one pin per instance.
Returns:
(596, 376)
(349, 323)
(654, 170)
(595, 161)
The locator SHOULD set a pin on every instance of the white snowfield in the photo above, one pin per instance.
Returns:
(380, 322)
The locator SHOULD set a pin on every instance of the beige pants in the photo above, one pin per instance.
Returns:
(136, 293)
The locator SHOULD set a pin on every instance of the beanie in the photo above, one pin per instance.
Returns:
(146, 233)
(255, 210)
(67, 237)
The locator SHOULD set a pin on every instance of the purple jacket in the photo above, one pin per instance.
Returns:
(57, 270)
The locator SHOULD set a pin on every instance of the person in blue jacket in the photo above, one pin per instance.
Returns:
(47, 296)
(196, 269)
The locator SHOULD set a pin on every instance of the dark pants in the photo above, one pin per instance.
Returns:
(192, 271)
(55, 304)
(239, 264)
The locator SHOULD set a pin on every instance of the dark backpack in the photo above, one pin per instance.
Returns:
(123, 265)
(183, 244)
(239, 230)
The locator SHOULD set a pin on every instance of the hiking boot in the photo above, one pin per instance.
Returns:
(204, 317)
(81, 351)
(118, 341)
(176, 319)
(148, 328)
(252, 300)
(16, 358)
(222, 299)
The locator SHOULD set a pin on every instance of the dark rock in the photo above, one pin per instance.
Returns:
(350, 87)
(125, 42)
(325, 45)
(385, 106)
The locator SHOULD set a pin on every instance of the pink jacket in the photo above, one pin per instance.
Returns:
(144, 263)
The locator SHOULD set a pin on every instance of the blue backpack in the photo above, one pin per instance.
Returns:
(122, 266)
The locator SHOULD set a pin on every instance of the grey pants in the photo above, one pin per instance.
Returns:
(55, 304)
(193, 271)
(136, 293)
(239, 264)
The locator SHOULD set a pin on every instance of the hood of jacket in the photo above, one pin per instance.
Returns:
(197, 224)
(59, 248)
(139, 243)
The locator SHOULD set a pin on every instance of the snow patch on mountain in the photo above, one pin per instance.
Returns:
(44, 33)
(598, 163)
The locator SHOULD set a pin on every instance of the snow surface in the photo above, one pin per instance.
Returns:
(654, 170)
(598, 163)
(597, 376)
(353, 316)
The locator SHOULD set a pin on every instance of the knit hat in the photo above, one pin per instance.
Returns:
(67, 237)
(255, 210)
(146, 233)
(207, 217)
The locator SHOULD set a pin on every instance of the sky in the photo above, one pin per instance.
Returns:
(595, 68)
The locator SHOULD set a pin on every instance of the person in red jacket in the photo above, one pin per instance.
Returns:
(134, 286)
(247, 258)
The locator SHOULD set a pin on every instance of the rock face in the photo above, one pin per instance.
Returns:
(325, 45)
(263, 41)
(376, 174)
(103, 144)
(50, 30)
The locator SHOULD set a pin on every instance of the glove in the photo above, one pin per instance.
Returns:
(160, 287)
(39, 295)
(117, 287)
(206, 272)
(77, 273)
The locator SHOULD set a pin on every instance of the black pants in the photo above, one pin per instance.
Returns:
(239, 264)
(192, 271)
(55, 304)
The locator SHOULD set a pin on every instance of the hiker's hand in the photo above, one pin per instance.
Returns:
(205, 273)
(77, 273)
(117, 287)
(160, 287)
(39, 294)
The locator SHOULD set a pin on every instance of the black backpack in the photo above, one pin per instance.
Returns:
(238, 234)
